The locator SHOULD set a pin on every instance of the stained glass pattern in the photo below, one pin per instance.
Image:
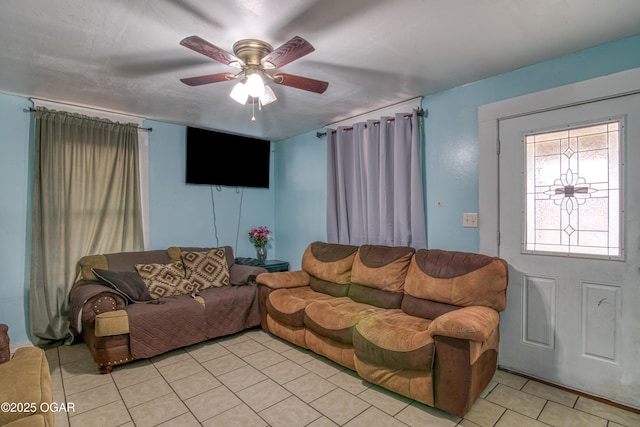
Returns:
(573, 191)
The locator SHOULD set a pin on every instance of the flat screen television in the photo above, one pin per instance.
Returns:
(218, 158)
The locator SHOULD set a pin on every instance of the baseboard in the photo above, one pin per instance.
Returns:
(13, 347)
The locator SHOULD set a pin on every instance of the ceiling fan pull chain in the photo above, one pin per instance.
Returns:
(253, 111)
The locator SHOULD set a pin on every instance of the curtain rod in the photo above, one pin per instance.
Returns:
(421, 113)
(32, 110)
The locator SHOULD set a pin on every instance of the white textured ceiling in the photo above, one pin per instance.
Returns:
(124, 56)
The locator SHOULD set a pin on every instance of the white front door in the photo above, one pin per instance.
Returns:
(569, 227)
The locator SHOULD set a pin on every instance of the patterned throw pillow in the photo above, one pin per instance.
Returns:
(206, 269)
(165, 280)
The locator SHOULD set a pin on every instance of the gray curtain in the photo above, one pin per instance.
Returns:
(374, 183)
(86, 200)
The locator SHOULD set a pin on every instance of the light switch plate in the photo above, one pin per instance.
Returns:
(470, 220)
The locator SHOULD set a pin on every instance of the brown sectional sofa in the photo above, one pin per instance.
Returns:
(117, 329)
(424, 323)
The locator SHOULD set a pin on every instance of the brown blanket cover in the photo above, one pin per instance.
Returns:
(182, 321)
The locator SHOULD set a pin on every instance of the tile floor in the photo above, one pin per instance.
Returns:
(255, 379)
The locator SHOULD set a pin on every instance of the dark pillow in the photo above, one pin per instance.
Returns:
(129, 283)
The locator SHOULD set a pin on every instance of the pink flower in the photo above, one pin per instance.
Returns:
(259, 236)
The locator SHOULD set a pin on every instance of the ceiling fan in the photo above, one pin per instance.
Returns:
(256, 59)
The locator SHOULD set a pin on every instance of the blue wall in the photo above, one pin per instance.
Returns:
(451, 134)
(15, 205)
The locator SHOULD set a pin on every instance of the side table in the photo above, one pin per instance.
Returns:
(274, 265)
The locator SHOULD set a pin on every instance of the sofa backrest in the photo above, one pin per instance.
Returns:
(329, 267)
(378, 275)
(454, 279)
(120, 262)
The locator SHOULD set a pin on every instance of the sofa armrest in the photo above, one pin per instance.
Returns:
(89, 298)
(240, 274)
(476, 323)
(284, 279)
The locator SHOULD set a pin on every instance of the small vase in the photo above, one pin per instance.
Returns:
(261, 253)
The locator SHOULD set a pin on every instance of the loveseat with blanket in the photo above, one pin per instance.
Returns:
(135, 305)
(424, 323)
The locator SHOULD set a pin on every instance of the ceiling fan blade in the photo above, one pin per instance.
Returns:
(202, 46)
(209, 78)
(299, 82)
(295, 48)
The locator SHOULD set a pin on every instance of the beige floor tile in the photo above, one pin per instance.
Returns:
(158, 411)
(485, 413)
(56, 378)
(349, 381)
(323, 422)
(78, 367)
(258, 334)
(561, 416)
(52, 356)
(374, 417)
(224, 364)
(511, 419)
(299, 355)
(170, 357)
(487, 389)
(207, 351)
(184, 368)
(234, 339)
(72, 353)
(93, 398)
(133, 373)
(61, 418)
(509, 379)
(467, 423)
(609, 412)
(211, 403)
(84, 382)
(145, 391)
(195, 384)
(419, 415)
(238, 416)
(278, 345)
(262, 395)
(285, 371)
(385, 400)
(340, 406)
(246, 348)
(520, 402)
(242, 378)
(290, 412)
(110, 415)
(550, 393)
(323, 367)
(309, 387)
(264, 359)
(184, 420)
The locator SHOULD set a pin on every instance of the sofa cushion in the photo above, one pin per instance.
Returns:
(335, 318)
(287, 305)
(377, 297)
(128, 283)
(394, 339)
(206, 269)
(381, 267)
(329, 288)
(329, 261)
(425, 308)
(458, 278)
(165, 280)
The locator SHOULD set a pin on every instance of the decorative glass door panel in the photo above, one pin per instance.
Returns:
(573, 194)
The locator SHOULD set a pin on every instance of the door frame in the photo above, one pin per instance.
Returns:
(489, 117)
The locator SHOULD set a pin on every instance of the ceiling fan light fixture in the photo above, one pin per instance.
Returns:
(240, 94)
(255, 85)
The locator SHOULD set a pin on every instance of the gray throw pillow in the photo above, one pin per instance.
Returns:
(129, 284)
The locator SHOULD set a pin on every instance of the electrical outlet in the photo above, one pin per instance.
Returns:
(470, 220)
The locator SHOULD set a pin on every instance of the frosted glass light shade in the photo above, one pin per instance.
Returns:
(240, 93)
(267, 96)
(255, 85)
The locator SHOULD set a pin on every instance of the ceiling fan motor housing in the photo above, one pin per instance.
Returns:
(251, 51)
